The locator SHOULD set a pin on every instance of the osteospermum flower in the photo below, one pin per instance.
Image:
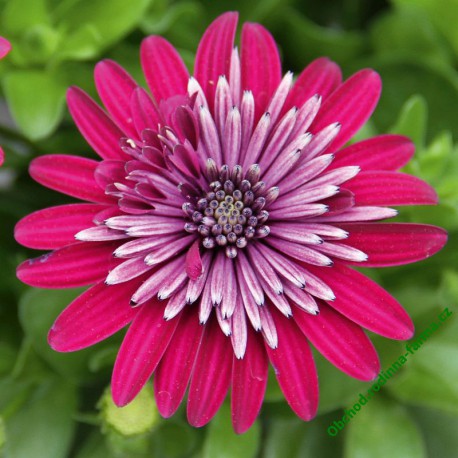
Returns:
(223, 222)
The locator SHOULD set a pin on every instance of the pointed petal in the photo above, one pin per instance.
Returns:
(211, 376)
(79, 264)
(383, 152)
(94, 124)
(71, 175)
(142, 348)
(322, 77)
(294, 367)
(115, 87)
(213, 56)
(194, 262)
(92, 317)
(341, 341)
(259, 51)
(393, 244)
(54, 227)
(249, 380)
(164, 69)
(5, 47)
(391, 188)
(174, 371)
(366, 303)
(350, 104)
(144, 112)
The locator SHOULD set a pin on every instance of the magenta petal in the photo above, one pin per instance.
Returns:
(249, 380)
(174, 371)
(260, 64)
(5, 47)
(94, 124)
(144, 111)
(392, 244)
(79, 264)
(365, 302)
(92, 317)
(322, 77)
(141, 350)
(350, 104)
(71, 175)
(213, 56)
(211, 376)
(194, 261)
(384, 152)
(54, 227)
(341, 341)
(115, 87)
(2, 156)
(391, 189)
(164, 69)
(294, 367)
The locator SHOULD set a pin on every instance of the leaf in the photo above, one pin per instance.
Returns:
(44, 427)
(38, 309)
(438, 430)
(173, 439)
(380, 429)
(14, 20)
(221, 441)
(111, 19)
(412, 120)
(36, 99)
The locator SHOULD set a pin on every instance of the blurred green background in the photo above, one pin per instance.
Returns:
(54, 405)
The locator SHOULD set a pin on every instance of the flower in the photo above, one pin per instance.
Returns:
(223, 223)
(5, 48)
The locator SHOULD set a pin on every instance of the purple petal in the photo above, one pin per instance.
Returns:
(341, 341)
(194, 267)
(115, 87)
(366, 303)
(391, 188)
(383, 152)
(94, 124)
(322, 76)
(350, 104)
(294, 368)
(92, 317)
(249, 381)
(142, 348)
(54, 227)
(213, 56)
(392, 244)
(259, 51)
(174, 371)
(5, 47)
(79, 264)
(71, 175)
(144, 112)
(211, 376)
(165, 71)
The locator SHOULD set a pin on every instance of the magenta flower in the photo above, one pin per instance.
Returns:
(223, 222)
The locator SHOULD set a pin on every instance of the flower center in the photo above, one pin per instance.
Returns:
(231, 212)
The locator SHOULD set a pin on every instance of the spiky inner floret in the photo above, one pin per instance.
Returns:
(232, 212)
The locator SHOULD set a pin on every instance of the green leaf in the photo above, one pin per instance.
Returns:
(38, 309)
(438, 430)
(412, 120)
(111, 19)
(44, 427)
(304, 41)
(221, 441)
(19, 15)
(173, 439)
(81, 44)
(36, 99)
(94, 447)
(380, 429)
